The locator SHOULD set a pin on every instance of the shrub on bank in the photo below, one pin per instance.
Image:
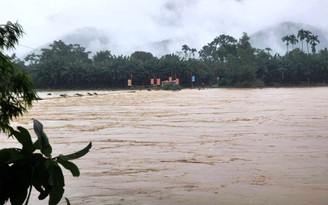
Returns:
(176, 87)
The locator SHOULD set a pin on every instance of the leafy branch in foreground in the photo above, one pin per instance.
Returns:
(21, 169)
(16, 87)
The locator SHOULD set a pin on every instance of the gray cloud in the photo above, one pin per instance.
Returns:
(155, 26)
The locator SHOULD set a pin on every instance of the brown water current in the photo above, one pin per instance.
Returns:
(211, 146)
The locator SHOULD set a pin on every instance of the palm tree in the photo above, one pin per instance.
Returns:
(301, 35)
(186, 50)
(268, 50)
(287, 39)
(193, 51)
(293, 40)
(313, 41)
(307, 37)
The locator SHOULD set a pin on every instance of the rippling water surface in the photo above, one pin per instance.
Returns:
(212, 146)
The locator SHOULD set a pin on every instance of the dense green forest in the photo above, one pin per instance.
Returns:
(225, 61)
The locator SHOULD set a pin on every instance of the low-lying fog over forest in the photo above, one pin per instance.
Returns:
(162, 27)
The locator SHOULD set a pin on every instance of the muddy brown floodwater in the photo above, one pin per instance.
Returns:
(212, 146)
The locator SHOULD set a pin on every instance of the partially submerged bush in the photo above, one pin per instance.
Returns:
(176, 87)
(171, 86)
(166, 86)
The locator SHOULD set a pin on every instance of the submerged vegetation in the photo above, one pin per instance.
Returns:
(225, 61)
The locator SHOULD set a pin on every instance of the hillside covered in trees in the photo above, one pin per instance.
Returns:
(225, 61)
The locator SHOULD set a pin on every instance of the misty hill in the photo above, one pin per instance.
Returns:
(271, 37)
(89, 37)
(95, 40)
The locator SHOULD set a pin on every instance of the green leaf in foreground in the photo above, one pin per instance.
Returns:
(24, 137)
(47, 151)
(69, 166)
(67, 201)
(42, 138)
(57, 189)
(78, 154)
(10, 155)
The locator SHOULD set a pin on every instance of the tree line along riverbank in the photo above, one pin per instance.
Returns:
(226, 62)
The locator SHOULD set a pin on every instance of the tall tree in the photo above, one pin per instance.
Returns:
(314, 41)
(268, 50)
(62, 65)
(241, 68)
(219, 48)
(99, 75)
(142, 55)
(193, 51)
(185, 49)
(307, 37)
(188, 52)
(287, 39)
(301, 35)
(101, 58)
(293, 40)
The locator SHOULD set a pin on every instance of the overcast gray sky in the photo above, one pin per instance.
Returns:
(131, 24)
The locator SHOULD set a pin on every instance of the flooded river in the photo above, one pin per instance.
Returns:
(212, 146)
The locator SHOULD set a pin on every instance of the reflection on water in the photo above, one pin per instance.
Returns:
(229, 146)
